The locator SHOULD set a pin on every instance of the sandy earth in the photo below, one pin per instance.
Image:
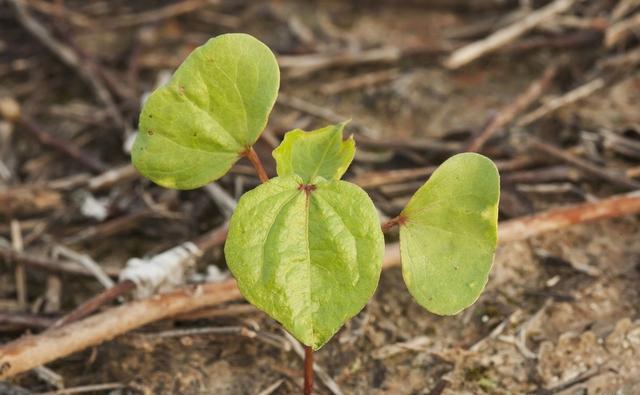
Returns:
(560, 314)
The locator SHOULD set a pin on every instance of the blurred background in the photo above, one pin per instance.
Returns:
(550, 90)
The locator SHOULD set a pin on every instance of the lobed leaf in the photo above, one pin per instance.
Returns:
(320, 153)
(309, 255)
(193, 129)
(449, 233)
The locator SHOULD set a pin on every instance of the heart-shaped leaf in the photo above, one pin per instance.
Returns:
(448, 234)
(193, 129)
(309, 255)
(318, 153)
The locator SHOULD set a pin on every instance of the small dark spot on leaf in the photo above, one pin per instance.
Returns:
(150, 116)
(150, 132)
(181, 89)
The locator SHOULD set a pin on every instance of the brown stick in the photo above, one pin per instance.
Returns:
(359, 81)
(232, 310)
(304, 65)
(20, 272)
(95, 303)
(515, 107)
(62, 145)
(32, 351)
(322, 112)
(308, 370)
(250, 154)
(525, 227)
(27, 200)
(420, 144)
(584, 165)
(504, 36)
(25, 320)
(621, 30)
(556, 103)
(56, 266)
(578, 39)
(112, 177)
(156, 15)
(541, 175)
(111, 227)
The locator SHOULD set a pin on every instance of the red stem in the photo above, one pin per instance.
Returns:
(399, 220)
(257, 164)
(308, 370)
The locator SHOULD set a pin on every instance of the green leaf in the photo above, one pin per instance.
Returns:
(318, 153)
(308, 255)
(193, 129)
(449, 233)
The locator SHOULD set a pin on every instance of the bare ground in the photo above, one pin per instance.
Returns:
(560, 313)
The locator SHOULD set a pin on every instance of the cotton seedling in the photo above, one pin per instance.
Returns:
(307, 247)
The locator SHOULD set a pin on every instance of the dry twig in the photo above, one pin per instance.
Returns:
(506, 35)
(523, 228)
(62, 145)
(85, 388)
(620, 31)
(50, 265)
(315, 110)
(513, 108)
(26, 320)
(21, 274)
(303, 65)
(616, 178)
(29, 352)
(169, 11)
(359, 81)
(623, 8)
(555, 104)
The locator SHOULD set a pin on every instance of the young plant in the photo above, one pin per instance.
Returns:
(306, 247)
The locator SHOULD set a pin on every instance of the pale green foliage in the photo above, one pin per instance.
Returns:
(309, 259)
(318, 153)
(306, 247)
(449, 236)
(193, 129)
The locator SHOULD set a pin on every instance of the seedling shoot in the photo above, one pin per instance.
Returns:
(306, 247)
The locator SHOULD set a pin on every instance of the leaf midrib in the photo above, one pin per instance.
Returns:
(271, 225)
(317, 169)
